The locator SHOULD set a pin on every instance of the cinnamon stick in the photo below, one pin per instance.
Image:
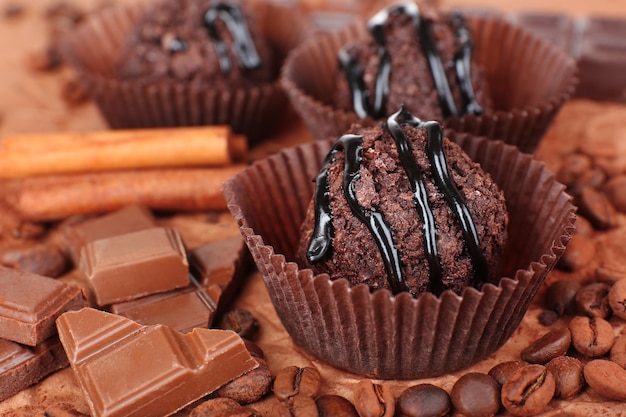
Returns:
(58, 197)
(59, 153)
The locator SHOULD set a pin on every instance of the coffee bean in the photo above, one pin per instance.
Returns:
(574, 165)
(528, 391)
(423, 400)
(253, 348)
(502, 371)
(476, 395)
(578, 253)
(592, 300)
(292, 381)
(615, 189)
(590, 179)
(302, 406)
(374, 400)
(240, 321)
(618, 351)
(568, 376)
(547, 347)
(547, 318)
(606, 378)
(597, 208)
(222, 407)
(560, 296)
(250, 387)
(617, 298)
(593, 337)
(608, 276)
(335, 406)
(584, 227)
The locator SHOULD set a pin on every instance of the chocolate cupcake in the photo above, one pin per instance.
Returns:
(400, 336)
(399, 206)
(187, 63)
(479, 75)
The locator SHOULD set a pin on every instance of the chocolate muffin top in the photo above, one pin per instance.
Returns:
(413, 57)
(204, 41)
(399, 206)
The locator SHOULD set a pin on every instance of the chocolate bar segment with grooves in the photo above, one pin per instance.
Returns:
(22, 366)
(127, 369)
(132, 265)
(30, 303)
(125, 220)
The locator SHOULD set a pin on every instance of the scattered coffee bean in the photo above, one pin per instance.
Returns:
(240, 321)
(617, 298)
(592, 300)
(292, 381)
(590, 179)
(222, 407)
(39, 258)
(547, 347)
(423, 400)
(597, 208)
(73, 93)
(574, 165)
(560, 297)
(302, 406)
(13, 11)
(593, 337)
(608, 276)
(606, 378)
(502, 371)
(48, 59)
(374, 400)
(547, 318)
(568, 376)
(584, 227)
(335, 406)
(253, 348)
(250, 387)
(476, 395)
(528, 391)
(618, 351)
(578, 253)
(615, 189)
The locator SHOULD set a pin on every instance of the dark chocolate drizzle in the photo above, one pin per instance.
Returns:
(321, 241)
(354, 71)
(243, 45)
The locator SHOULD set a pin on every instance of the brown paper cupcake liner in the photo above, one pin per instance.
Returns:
(399, 337)
(529, 80)
(93, 49)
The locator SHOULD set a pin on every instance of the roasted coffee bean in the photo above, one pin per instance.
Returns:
(618, 351)
(302, 406)
(476, 395)
(590, 179)
(547, 347)
(250, 387)
(528, 391)
(13, 10)
(592, 300)
(293, 380)
(578, 253)
(254, 349)
(423, 400)
(608, 276)
(547, 318)
(597, 208)
(593, 337)
(335, 406)
(606, 378)
(374, 400)
(502, 371)
(560, 297)
(617, 298)
(222, 407)
(38, 258)
(568, 376)
(574, 165)
(615, 189)
(584, 227)
(240, 321)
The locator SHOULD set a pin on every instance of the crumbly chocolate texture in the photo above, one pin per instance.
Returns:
(384, 187)
(411, 81)
(170, 41)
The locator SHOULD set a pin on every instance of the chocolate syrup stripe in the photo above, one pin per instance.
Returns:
(321, 240)
(354, 71)
(243, 44)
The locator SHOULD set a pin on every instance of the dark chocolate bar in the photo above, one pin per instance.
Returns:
(132, 265)
(126, 369)
(30, 303)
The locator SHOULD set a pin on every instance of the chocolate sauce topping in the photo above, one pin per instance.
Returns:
(354, 71)
(243, 45)
(321, 241)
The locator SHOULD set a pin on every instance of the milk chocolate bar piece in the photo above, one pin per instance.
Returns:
(22, 366)
(132, 265)
(126, 369)
(30, 303)
(182, 310)
(125, 220)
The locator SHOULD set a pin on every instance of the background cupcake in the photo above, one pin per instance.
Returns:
(174, 63)
(497, 80)
(400, 337)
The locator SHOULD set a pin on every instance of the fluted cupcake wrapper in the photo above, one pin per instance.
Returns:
(255, 111)
(400, 337)
(529, 80)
